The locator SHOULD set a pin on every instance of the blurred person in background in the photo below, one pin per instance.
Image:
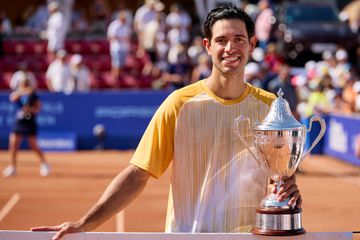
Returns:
(179, 19)
(5, 24)
(80, 75)
(56, 30)
(252, 74)
(100, 13)
(195, 50)
(356, 89)
(36, 22)
(317, 103)
(79, 21)
(357, 146)
(28, 106)
(122, 6)
(349, 94)
(19, 74)
(283, 81)
(153, 31)
(351, 12)
(178, 73)
(264, 23)
(58, 74)
(118, 34)
(342, 69)
(203, 69)
(144, 14)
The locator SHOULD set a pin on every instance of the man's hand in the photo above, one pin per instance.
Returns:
(289, 189)
(62, 229)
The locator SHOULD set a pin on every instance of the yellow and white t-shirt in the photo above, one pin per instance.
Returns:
(216, 184)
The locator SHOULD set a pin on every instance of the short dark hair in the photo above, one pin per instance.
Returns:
(227, 11)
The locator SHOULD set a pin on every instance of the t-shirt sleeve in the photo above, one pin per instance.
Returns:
(156, 148)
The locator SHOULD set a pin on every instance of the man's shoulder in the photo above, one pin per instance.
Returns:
(180, 96)
(262, 95)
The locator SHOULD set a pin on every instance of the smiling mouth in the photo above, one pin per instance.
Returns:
(230, 58)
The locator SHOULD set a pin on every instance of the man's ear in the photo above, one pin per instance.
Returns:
(206, 43)
(253, 42)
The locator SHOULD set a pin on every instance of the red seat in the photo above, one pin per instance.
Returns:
(74, 46)
(9, 63)
(41, 80)
(6, 77)
(38, 47)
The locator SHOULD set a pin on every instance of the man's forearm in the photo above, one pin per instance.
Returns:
(125, 187)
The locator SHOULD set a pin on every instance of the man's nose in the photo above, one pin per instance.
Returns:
(229, 46)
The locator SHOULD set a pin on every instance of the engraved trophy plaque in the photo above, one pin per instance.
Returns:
(279, 144)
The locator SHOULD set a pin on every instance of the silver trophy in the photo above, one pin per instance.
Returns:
(279, 144)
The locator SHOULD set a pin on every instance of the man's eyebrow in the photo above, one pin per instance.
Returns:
(237, 35)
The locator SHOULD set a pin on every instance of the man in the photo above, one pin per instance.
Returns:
(118, 34)
(80, 75)
(216, 185)
(58, 74)
(56, 29)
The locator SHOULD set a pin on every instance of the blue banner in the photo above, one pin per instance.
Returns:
(342, 138)
(123, 114)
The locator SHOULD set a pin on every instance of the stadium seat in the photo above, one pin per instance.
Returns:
(74, 46)
(38, 47)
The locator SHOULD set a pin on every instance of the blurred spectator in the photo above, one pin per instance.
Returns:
(258, 55)
(67, 9)
(318, 103)
(19, 76)
(178, 74)
(121, 6)
(252, 74)
(203, 69)
(154, 30)
(195, 50)
(283, 81)
(79, 22)
(273, 58)
(80, 75)
(58, 74)
(37, 21)
(251, 9)
(349, 95)
(329, 90)
(179, 19)
(162, 50)
(56, 29)
(263, 23)
(342, 69)
(146, 13)
(118, 34)
(357, 146)
(100, 13)
(5, 24)
(356, 89)
(351, 13)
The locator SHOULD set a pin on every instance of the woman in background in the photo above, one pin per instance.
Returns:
(28, 105)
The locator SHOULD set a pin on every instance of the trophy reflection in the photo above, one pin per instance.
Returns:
(279, 144)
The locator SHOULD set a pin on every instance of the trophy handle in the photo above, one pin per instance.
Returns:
(239, 120)
(320, 135)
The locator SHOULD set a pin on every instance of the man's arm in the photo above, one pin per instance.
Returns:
(124, 188)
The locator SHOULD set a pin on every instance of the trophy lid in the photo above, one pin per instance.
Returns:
(279, 116)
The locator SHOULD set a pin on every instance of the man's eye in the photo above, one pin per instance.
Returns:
(239, 40)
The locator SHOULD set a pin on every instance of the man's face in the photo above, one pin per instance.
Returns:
(229, 46)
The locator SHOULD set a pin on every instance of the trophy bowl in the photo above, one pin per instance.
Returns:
(279, 144)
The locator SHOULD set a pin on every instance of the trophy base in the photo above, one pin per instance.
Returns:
(278, 222)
